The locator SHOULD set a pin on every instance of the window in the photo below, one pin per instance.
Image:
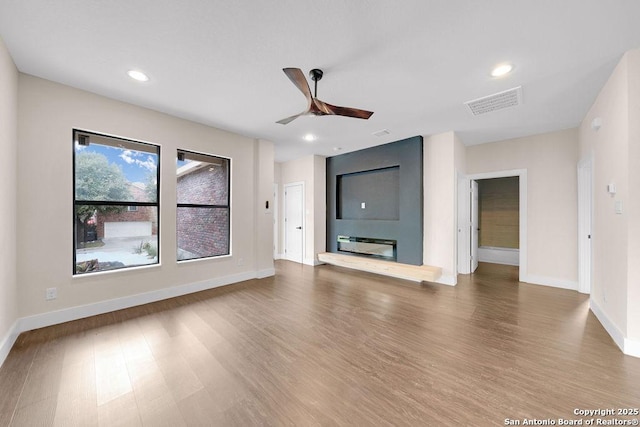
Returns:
(116, 210)
(203, 211)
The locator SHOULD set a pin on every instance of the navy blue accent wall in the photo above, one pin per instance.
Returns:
(406, 156)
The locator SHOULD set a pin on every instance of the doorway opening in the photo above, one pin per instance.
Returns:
(495, 244)
(499, 220)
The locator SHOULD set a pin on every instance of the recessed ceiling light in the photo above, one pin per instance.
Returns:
(138, 75)
(337, 148)
(501, 70)
(309, 137)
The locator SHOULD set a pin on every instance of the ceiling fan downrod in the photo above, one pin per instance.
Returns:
(315, 74)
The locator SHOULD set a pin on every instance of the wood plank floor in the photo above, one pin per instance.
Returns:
(325, 346)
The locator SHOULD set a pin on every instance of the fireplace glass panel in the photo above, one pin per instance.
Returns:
(379, 248)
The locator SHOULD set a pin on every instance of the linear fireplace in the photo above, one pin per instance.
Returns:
(378, 248)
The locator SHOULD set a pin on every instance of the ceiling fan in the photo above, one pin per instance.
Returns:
(315, 106)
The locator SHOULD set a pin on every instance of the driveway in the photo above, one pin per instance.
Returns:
(120, 249)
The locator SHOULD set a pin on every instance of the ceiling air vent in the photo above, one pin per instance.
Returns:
(382, 132)
(497, 101)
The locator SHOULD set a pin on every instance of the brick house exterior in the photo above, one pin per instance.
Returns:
(203, 231)
(141, 214)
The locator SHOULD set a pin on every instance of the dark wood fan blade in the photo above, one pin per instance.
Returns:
(315, 106)
(297, 77)
(342, 111)
(292, 118)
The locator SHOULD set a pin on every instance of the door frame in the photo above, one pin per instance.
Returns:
(474, 220)
(276, 219)
(284, 220)
(464, 208)
(585, 224)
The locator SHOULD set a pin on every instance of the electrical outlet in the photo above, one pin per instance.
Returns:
(52, 293)
(240, 261)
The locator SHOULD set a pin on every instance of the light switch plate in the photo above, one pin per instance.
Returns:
(618, 206)
(363, 205)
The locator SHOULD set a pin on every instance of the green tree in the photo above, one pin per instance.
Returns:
(97, 180)
(151, 186)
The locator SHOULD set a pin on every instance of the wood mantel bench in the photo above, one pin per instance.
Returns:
(416, 273)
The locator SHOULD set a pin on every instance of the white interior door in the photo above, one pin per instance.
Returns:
(475, 225)
(585, 209)
(464, 226)
(294, 222)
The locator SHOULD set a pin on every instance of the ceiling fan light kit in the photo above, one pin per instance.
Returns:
(316, 107)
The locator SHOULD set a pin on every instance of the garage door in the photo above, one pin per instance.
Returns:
(127, 229)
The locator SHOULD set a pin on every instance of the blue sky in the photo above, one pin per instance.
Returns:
(136, 165)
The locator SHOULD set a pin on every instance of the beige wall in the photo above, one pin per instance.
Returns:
(610, 147)
(279, 245)
(264, 176)
(8, 189)
(320, 205)
(460, 164)
(633, 203)
(460, 155)
(46, 116)
(615, 292)
(441, 156)
(312, 171)
(550, 160)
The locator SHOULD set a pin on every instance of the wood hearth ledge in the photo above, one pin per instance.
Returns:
(416, 273)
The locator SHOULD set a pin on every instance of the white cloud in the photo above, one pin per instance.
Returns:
(149, 164)
(127, 156)
(130, 157)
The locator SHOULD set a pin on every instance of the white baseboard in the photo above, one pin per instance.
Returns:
(550, 281)
(504, 256)
(8, 341)
(615, 333)
(447, 280)
(278, 256)
(312, 262)
(267, 272)
(630, 347)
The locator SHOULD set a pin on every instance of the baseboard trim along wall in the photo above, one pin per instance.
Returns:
(447, 280)
(551, 281)
(8, 341)
(42, 320)
(631, 347)
(506, 256)
(628, 346)
(615, 333)
(267, 272)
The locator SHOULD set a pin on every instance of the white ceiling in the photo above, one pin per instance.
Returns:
(412, 62)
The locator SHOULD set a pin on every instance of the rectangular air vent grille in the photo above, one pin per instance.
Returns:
(382, 132)
(498, 101)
